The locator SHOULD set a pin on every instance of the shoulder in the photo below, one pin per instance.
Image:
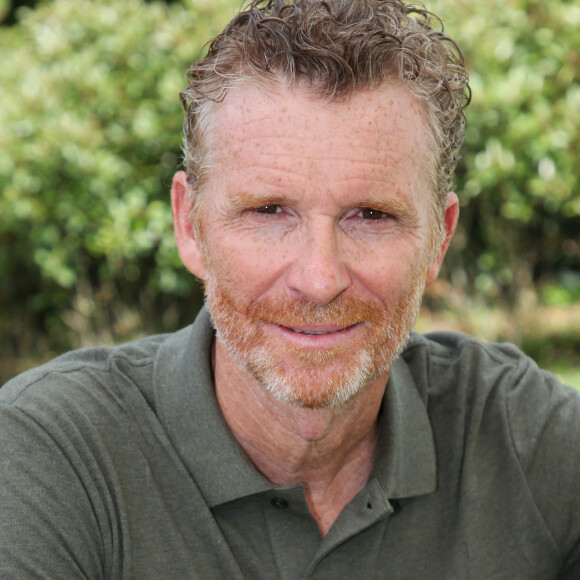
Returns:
(441, 350)
(87, 399)
(86, 374)
(494, 396)
(68, 432)
(449, 363)
(493, 382)
(497, 409)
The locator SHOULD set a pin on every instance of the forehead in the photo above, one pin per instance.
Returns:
(391, 107)
(374, 135)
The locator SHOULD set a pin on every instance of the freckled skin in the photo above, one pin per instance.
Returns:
(322, 162)
(317, 199)
(312, 200)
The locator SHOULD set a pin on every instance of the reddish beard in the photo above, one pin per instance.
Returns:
(314, 377)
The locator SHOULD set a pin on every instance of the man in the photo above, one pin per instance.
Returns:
(295, 431)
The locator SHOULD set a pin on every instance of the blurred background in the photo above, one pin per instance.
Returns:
(90, 135)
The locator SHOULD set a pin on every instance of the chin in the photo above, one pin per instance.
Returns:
(320, 385)
(313, 378)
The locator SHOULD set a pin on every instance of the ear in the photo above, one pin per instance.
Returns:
(189, 248)
(449, 223)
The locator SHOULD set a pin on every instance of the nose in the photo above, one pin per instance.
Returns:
(318, 271)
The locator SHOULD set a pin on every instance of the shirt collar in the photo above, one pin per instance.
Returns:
(406, 458)
(191, 416)
(186, 404)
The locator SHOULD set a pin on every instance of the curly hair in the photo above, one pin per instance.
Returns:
(333, 48)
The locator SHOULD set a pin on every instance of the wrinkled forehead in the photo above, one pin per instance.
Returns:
(285, 141)
(370, 117)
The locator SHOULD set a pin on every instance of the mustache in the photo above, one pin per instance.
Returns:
(292, 311)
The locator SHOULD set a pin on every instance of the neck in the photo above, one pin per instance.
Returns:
(329, 451)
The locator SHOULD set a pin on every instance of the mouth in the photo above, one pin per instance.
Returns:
(316, 336)
(319, 332)
(311, 333)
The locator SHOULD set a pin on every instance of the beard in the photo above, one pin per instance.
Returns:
(313, 378)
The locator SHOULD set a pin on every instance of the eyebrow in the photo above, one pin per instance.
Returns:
(396, 206)
(245, 200)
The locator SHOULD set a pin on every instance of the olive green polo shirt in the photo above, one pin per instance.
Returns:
(117, 463)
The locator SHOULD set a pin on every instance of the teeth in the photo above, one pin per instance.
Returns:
(306, 332)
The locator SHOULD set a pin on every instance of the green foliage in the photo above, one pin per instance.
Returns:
(91, 135)
(519, 180)
(4, 8)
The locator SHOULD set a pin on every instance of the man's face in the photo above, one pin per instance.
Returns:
(316, 237)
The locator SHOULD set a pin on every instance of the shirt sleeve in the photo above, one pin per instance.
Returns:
(545, 426)
(48, 522)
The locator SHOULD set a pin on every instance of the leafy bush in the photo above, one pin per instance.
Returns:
(91, 131)
(90, 139)
(519, 180)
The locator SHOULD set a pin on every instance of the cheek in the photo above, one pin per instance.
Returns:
(251, 265)
(389, 275)
(244, 263)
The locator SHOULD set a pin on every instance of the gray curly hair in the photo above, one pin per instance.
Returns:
(334, 47)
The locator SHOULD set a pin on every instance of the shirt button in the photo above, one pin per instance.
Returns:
(279, 502)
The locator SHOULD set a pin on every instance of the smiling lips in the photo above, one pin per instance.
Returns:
(319, 332)
(306, 332)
